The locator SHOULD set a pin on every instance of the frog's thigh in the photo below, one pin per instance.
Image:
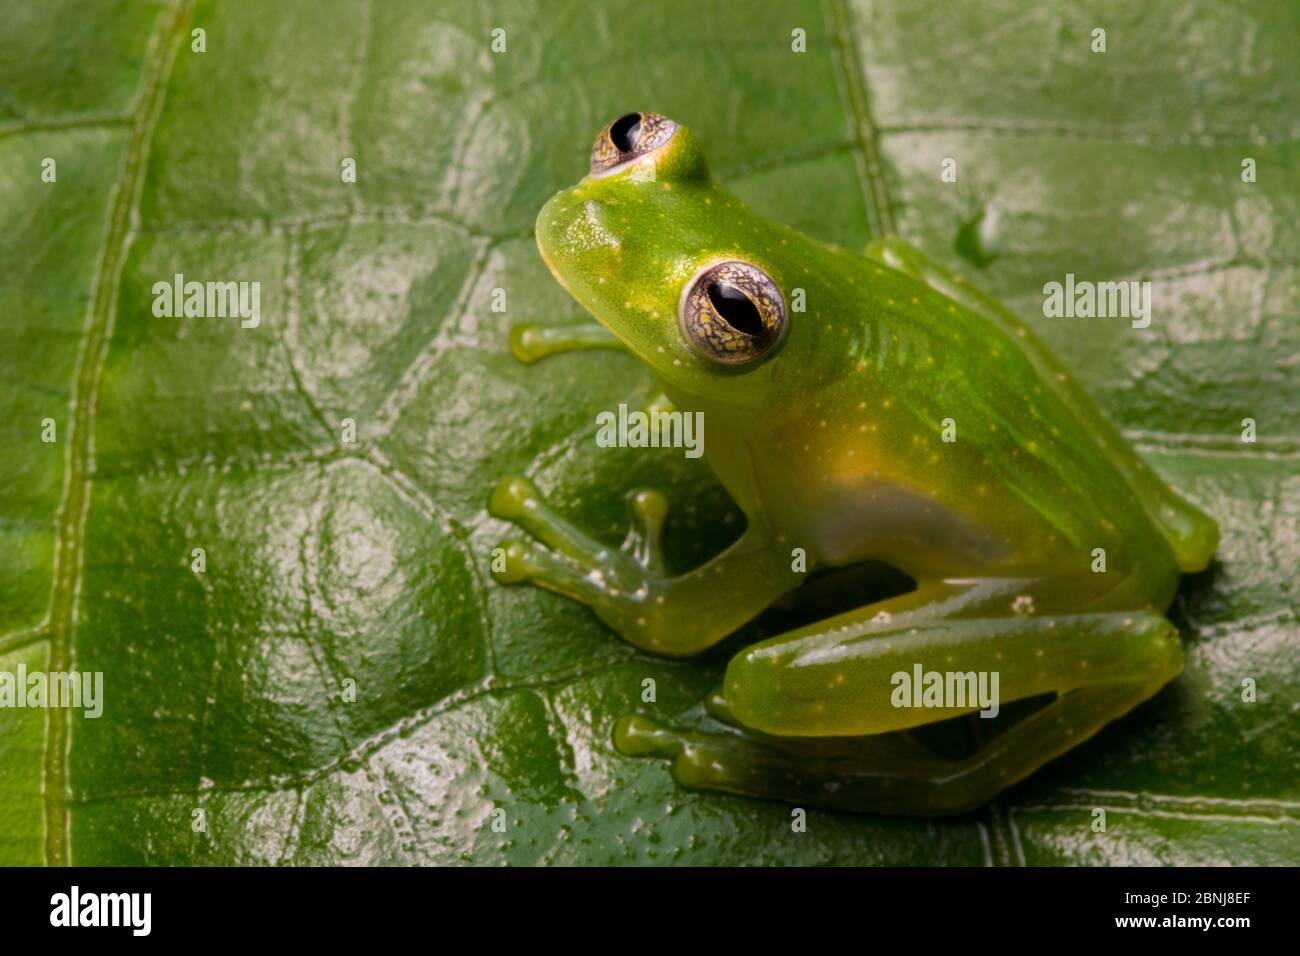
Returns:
(852, 675)
(530, 342)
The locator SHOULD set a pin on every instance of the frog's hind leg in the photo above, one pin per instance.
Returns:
(1191, 533)
(819, 711)
(884, 773)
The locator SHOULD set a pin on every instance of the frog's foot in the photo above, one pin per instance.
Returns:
(530, 341)
(621, 584)
(629, 586)
(886, 773)
(881, 774)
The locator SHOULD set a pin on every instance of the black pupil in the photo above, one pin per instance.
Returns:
(626, 131)
(735, 308)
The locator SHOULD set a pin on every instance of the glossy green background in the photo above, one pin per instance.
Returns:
(368, 561)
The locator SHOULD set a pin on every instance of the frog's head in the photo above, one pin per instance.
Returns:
(673, 264)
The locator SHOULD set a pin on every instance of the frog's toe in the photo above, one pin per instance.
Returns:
(515, 561)
(700, 761)
(556, 572)
(528, 342)
(510, 498)
(638, 736)
(649, 509)
(715, 705)
(517, 500)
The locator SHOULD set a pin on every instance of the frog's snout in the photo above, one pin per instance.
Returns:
(575, 236)
(553, 222)
(627, 139)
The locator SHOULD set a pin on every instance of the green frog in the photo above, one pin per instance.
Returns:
(863, 406)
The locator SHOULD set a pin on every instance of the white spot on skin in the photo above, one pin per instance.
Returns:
(586, 232)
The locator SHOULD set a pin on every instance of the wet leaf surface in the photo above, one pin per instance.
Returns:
(329, 562)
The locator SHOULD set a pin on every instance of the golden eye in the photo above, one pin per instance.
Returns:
(629, 137)
(733, 313)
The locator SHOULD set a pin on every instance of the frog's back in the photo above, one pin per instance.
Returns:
(1028, 406)
(970, 413)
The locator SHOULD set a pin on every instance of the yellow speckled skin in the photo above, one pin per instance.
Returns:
(903, 417)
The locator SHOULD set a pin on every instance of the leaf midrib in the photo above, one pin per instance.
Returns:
(70, 520)
(866, 134)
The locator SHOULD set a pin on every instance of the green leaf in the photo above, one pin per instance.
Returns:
(329, 562)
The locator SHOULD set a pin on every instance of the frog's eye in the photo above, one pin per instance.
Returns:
(629, 137)
(733, 313)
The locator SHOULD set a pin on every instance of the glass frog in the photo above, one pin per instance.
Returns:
(860, 406)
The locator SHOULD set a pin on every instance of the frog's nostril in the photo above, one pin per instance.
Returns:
(625, 131)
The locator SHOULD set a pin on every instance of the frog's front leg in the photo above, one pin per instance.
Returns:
(818, 710)
(628, 587)
(530, 342)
